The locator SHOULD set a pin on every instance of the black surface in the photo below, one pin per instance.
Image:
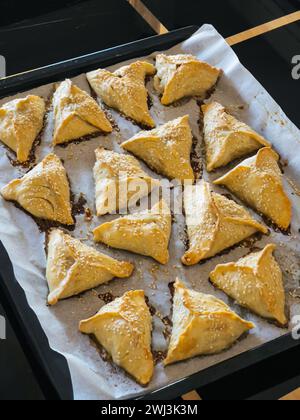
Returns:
(13, 11)
(73, 67)
(68, 32)
(258, 382)
(17, 378)
(278, 391)
(229, 17)
(50, 369)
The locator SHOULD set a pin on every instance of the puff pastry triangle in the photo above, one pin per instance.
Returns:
(73, 267)
(21, 121)
(202, 325)
(145, 233)
(125, 90)
(227, 138)
(119, 179)
(214, 223)
(166, 149)
(180, 76)
(124, 328)
(76, 114)
(43, 192)
(255, 282)
(258, 182)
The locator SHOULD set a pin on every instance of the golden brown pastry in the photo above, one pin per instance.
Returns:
(21, 121)
(180, 76)
(73, 267)
(214, 223)
(227, 138)
(145, 233)
(43, 192)
(76, 114)
(255, 282)
(123, 328)
(202, 325)
(119, 180)
(166, 149)
(125, 90)
(258, 182)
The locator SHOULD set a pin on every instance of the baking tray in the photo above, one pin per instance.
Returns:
(51, 368)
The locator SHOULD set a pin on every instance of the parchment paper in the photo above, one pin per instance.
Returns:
(92, 377)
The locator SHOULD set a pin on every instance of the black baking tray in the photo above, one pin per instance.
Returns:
(50, 367)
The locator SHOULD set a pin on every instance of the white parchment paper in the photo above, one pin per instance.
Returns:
(92, 377)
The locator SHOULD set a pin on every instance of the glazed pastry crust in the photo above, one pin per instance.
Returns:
(145, 233)
(214, 223)
(21, 121)
(166, 149)
(115, 175)
(227, 138)
(124, 328)
(180, 76)
(76, 114)
(256, 283)
(43, 192)
(202, 325)
(259, 183)
(125, 90)
(73, 267)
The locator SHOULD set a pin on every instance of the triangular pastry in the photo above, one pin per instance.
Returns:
(123, 328)
(145, 233)
(181, 76)
(73, 267)
(202, 325)
(166, 149)
(76, 114)
(258, 182)
(255, 282)
(125, 90)
(43, 192)
(119, 180)
(214, 223)
(227, 138)
(21, 121)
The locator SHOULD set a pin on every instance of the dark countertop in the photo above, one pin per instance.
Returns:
(81, 28)
(17, 378)
(32, 36)
(228, 16)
